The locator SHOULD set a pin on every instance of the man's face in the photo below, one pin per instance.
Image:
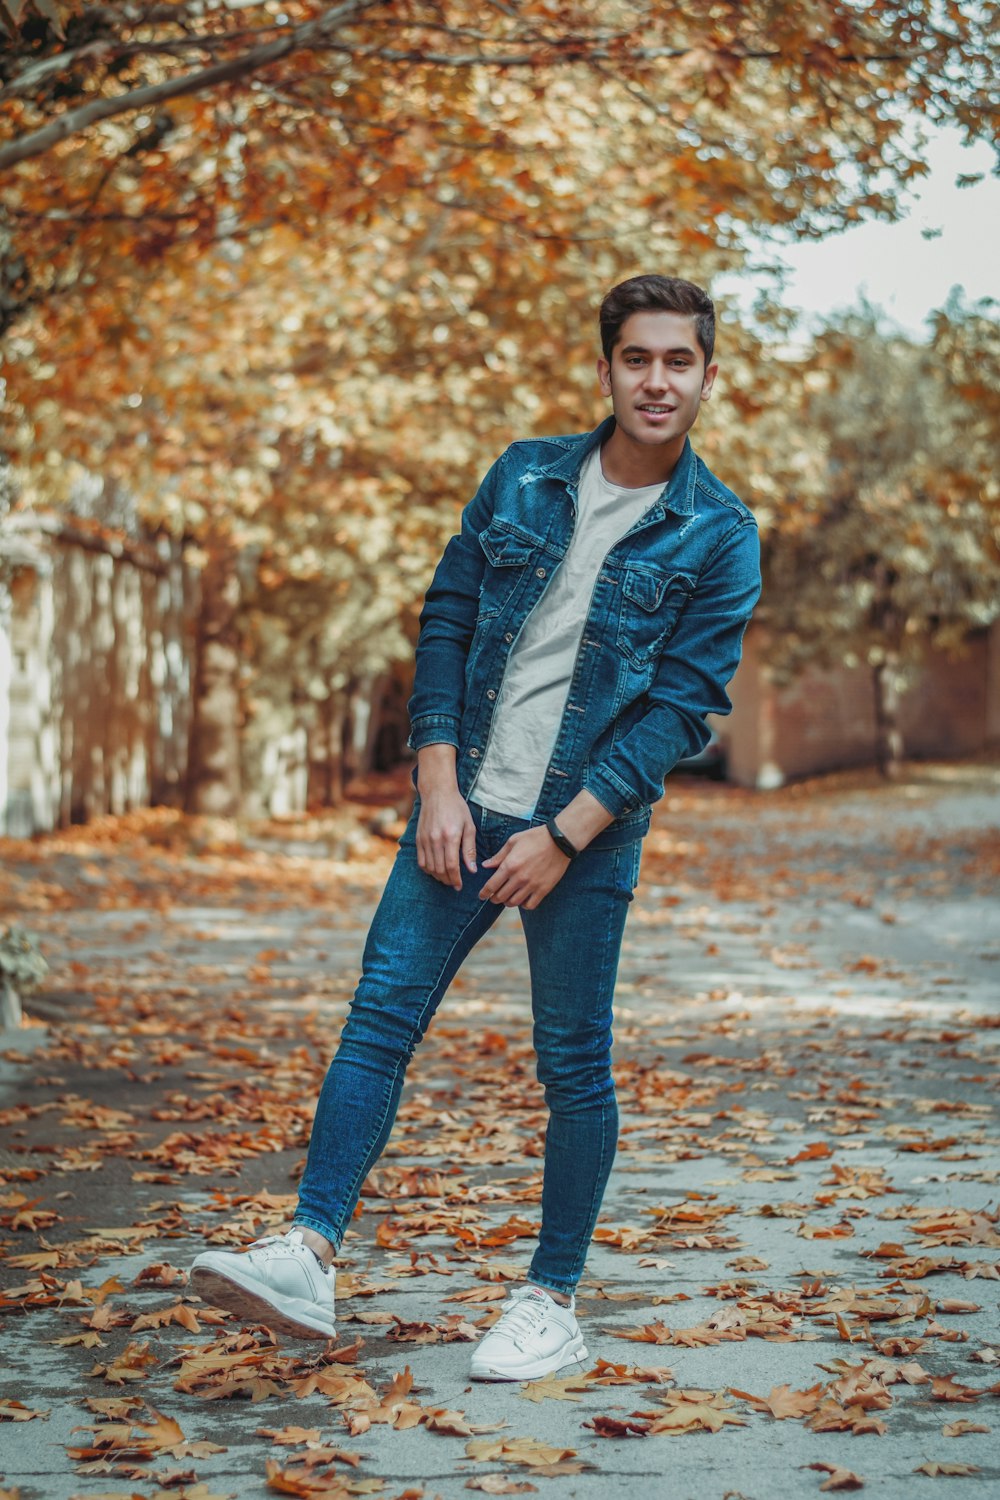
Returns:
(657, 378)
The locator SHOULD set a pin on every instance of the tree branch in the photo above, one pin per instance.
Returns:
(605, 48)
(311, 33)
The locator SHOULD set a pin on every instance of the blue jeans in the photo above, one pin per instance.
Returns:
(420, 935)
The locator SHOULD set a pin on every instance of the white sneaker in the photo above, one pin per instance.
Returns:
(534, 1335)
(278, 1281)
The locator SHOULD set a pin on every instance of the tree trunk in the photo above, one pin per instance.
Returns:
(212, 784)
(333, 735)
(888, 736)
(10, 1006)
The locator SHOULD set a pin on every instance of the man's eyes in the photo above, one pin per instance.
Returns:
(635, 360)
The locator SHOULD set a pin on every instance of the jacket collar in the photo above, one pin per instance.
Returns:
(677, 494)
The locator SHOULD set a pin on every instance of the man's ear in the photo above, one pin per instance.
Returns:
(604, 376)
(709, 381)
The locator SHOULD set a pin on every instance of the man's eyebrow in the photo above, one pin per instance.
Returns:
(639, 349)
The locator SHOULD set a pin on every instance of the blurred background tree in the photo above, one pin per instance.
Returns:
(292, 274)
(890, 541)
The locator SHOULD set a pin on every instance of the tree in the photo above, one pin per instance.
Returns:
(891, 540)
(168, 124)
(296, 297)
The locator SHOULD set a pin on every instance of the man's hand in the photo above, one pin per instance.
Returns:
(445, 830)
(524, 870)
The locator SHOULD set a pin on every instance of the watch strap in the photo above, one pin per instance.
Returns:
(560, 840)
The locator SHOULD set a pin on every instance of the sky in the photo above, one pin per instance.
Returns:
(893, 264)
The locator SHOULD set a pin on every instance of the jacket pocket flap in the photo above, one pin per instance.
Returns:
(648, 589)
(506, 548)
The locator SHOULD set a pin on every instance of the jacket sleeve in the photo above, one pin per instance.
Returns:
(447, 625)
(691, 677)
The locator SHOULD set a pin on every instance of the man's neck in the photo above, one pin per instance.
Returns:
(635, 465)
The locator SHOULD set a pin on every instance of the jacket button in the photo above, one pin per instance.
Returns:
(490, 694)
(539, 572)
(508, 637)
(474, 754)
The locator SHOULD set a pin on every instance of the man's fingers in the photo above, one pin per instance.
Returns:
(500, 889)
(438, 857)
(469, 846)
(497, 858)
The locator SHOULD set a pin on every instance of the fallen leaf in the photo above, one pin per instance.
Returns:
(290, 1437)
(497, 1484)
(15, 1411)
(782, 1401)
(947, 1388)
(935, 1470)
(551, 1388)
(649, 1333)
(840, 1479)
(523, 1450)
(618, 1427)
(131, 1364)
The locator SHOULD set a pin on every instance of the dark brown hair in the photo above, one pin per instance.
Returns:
(657, 294)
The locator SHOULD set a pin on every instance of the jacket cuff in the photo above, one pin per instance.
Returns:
(613, 795)
(434, 729)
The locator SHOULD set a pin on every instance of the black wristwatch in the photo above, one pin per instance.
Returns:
(560, 840)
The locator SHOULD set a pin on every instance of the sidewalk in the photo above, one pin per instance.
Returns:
(797, 1270)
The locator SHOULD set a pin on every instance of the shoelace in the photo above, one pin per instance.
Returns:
(278, 1244)
(521, 1317)
(273, 1244)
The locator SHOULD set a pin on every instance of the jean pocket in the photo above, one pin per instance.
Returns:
(651, 607)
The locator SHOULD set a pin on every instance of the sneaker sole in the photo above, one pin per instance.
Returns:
(251, 1307)
(575, 1353)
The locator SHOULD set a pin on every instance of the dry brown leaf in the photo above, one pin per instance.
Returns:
(179, 1313)
(935, 1470)
(303, 1483)
(947, 1388)
(498, 1484)
(961, 1427)
(88, 1339)
(840, 1479)
(693, 1411)
(551, 1388)
(782, 1401)
(618, 1427)
(454, 1424)
(649, 1333)
(291, 1437)
(813, 1152)
(131, 1364)
(524, 1450)
(16, 1411)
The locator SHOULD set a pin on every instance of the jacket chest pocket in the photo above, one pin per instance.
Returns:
(508, 551)
(651, 606)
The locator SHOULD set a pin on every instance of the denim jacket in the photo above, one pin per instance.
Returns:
(661, 641)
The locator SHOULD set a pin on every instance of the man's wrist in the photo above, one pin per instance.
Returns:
(583, 819)
(437, 768)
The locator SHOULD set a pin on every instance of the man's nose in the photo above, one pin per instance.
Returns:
(656, 377)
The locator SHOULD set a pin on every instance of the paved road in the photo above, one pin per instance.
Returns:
(806, 1193)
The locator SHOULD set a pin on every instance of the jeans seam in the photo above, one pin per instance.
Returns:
(580, 1253)
(595, 1201)
(362, 1173)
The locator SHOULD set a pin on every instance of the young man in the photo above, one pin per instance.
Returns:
(578, 629)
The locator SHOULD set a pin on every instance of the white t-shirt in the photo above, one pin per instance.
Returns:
(539, 669)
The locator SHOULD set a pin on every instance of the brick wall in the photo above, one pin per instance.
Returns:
(826, 720)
